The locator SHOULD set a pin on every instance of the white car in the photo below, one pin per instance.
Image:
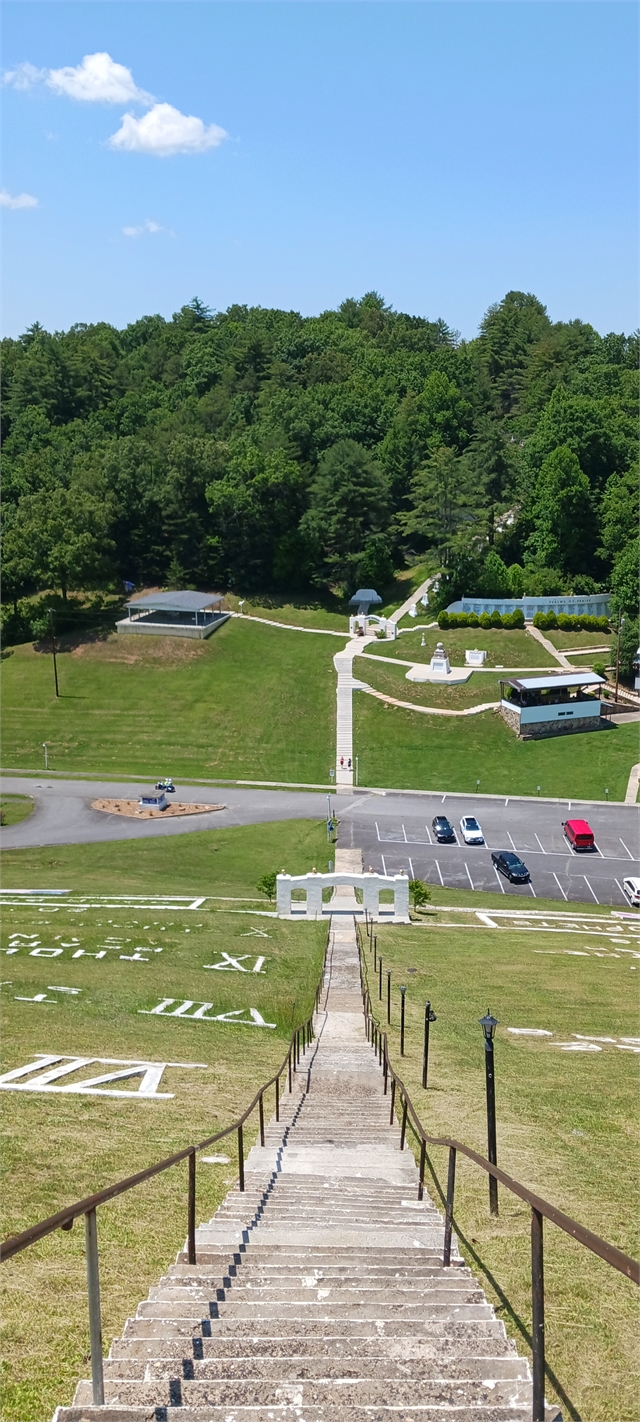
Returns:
(632, 891)
(470, 830)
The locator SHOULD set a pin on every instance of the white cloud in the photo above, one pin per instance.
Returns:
(24, 76)
(21, 200)
(164, 131)
(147, 226)
(98, 79)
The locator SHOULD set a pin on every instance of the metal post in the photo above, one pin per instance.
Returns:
(423, 1157)
(261, 1111)
(403, 1131)
(492, 1149)
(241, 1157)
(191, 1210)
(277, 1098)
(617, 657)
(393, 1101)
(380, 979)
(375, 944)
(53, 648)
(93, 1291)
(403, 991)
(290, 1076)
(388, 995)
(425, 1051)
(448, 1218)
(537, 1316)
(386, 1063)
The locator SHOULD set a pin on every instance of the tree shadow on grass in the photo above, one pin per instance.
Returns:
(505, 1305)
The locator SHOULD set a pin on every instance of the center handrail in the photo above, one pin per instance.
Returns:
(540, 1209)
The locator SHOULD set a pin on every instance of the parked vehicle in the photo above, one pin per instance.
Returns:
(470, 830)
(511, 866)
(579, 834)
(632, 890)
(443, 830)
(167, 785)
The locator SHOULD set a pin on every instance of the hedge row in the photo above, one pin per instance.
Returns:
(564, 622)
(470, 619)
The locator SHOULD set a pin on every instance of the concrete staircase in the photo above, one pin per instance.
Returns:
(319, 1293)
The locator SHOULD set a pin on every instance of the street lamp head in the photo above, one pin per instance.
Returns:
(403, 990)
(488, 1025)
(432, 1015)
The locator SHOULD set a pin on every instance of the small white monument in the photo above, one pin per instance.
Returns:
(440, 662)
(474, 658)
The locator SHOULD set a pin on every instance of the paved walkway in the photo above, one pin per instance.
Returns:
(634, 780)
(415, 597)
(549, 647)
(319, 1294)
(343, 663)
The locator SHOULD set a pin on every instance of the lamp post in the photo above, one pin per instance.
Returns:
(488, 1025)
(403, 991)
(356, 770)
(53, 648)
(380, 978)
(388, 995)
(45, 747)
(429, 1017)
(620, 624)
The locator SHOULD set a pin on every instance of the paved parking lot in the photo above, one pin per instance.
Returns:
(394, 833)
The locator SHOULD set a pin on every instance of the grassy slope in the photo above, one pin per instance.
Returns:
(507, 649)
(252, 702)
(396, 747)
(567, 1128)
(15, 808)
(480, 688)
(571, 641)
(62, 1148)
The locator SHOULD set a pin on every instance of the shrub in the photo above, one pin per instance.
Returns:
(600, 669)
(474, 620)
(267, 886)
(485, 620)
(565, 623)
(444, 619)
(495, 619)
(517, 618)
(419, 892)
(507, 620)
(603, 624)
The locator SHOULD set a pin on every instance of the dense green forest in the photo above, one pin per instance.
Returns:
(258, 450)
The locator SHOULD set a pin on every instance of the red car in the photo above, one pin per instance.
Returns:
(579, 834)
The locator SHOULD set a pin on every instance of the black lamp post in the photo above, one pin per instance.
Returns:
(380, 977)
(375, 946)
(53, 649)
(429, 1017)
(488, 1025)
(388, 994)
(403, 991)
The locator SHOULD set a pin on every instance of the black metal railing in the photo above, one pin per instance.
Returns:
(540, 1209)
(63, 1219)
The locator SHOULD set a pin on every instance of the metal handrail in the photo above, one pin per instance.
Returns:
(63, 1219)
(540, 1209)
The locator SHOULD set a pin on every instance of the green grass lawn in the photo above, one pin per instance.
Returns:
(503, 648)
(14, 808)
(567, 1128)
(406, 750)
(60, 1148)
(251, 702)
(480, 688)
(571, 641)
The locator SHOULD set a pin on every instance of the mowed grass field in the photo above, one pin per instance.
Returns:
(59, 1148)
(251, 702)
(503, 648)
(567, 1127)
(413, 751)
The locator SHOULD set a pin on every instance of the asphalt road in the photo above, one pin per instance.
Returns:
(393, 831)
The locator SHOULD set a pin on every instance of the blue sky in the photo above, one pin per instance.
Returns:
(441, 153)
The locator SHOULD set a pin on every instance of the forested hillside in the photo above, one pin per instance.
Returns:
(255, 450)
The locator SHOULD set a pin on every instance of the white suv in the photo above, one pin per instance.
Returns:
(470, 830)
(632, 891)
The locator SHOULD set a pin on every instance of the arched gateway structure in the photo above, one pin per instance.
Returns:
(370, 884)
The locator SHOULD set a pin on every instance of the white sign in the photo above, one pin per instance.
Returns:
(49, 1070)
(183, 1009)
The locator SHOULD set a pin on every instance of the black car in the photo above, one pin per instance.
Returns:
(510, 865)
(443, 831)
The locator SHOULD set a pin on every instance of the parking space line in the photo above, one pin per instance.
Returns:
(499, 879)
(541, 844)
(589, 888)
(384, 867)
(440, 873)
(560, 886)
(429, 834)
(469, 876)
(533, 890)
(624, 846)
(512, 843)
(411, 868)
(405, 835)
(443, 799)
(377, 830)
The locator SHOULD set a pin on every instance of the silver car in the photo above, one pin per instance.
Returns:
(470, 830)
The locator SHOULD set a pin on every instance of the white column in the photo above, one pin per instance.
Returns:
(313, 886)
(283, 895)
(371, 894)
(401, 896)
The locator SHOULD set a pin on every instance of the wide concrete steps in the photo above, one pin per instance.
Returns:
(319, 1292)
